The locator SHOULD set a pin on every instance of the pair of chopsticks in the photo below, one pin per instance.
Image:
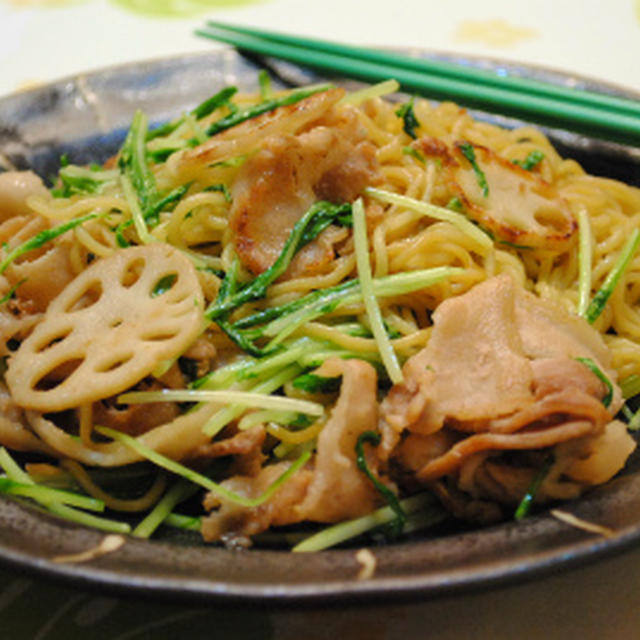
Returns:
(594, 114)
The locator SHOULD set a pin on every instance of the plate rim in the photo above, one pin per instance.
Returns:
(101, 574)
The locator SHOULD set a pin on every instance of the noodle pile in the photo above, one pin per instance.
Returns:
(313, 304)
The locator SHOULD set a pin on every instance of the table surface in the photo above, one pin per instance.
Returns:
(594, 602)
(42, 40)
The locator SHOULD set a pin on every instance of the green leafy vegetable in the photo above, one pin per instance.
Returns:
(175, 195)
(164, 284)
(241, 115)
(421, 512)
(604, 293)
(284, 320)
(455, 204)
(317, 302)
(248, 368)
(595, 369)
(374, 315)
(264, 80)
(216, 101)
(54, 505)
(199, 479)
(201, 111)
(293, 351)
(633, 420)
(585, 257)
(228, 289)
(481, 237)
(152, 214)
(397, 525)
(179, 521)
(314, 383)
(74, 179)
(12, 292)
(121, 241)
(630, 386)
(133, 162)
(160, 155)
(525, 504)
(409, 121)
(370, 92)
(137, 214)
(315, 220)
(223, 396)
(469, 153)
(41, 493)
(179, 492)
(358, 330)
(222, 188)
(40, 239)
(534, 158)
(414, 153)
(263, 416)
(225, 415)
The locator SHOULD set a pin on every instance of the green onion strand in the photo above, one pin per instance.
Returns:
(397, 525)
(595, 369)
(604, 293)
(199, 479)
(526, 503)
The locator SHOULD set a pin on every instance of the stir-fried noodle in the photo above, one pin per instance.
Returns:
(316, 307)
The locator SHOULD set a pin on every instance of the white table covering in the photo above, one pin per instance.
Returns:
(41, 40)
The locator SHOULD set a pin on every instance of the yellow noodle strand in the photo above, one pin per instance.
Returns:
(142, 503)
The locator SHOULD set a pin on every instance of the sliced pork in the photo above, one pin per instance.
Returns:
(329, 490)
(503, 371)
(277, 185)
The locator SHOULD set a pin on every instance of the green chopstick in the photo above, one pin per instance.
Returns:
(441, 68)
(597, 115)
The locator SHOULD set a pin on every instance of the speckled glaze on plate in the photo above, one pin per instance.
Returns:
(87, 117)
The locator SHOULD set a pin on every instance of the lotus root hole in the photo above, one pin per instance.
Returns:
(87, 298)
(49, 380)
(107, 366)
(132, 273)
(49, 341)
(163, 284)
(159, 336)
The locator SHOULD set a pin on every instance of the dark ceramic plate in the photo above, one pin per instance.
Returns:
(87, 117)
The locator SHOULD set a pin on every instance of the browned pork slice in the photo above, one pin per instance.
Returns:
(473, 367)
(339, 489)
(277, 185)
(235, 524)
(135, 419)
(245, 446)
(578, 462)
(503, 371)
(330, 488)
